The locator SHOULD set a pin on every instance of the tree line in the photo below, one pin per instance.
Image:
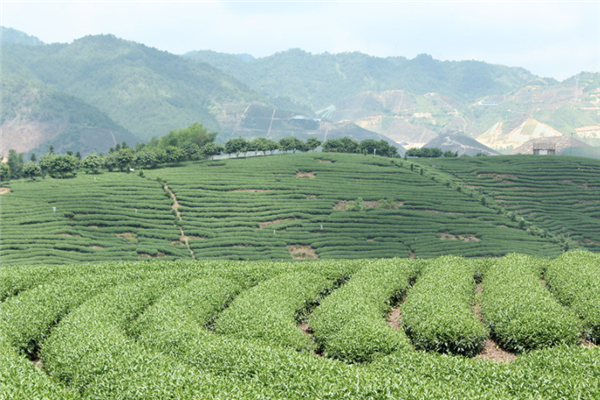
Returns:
(190, 144)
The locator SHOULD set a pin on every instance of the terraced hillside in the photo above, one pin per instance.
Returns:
(277, 330)
(273, 207)
(560, 195)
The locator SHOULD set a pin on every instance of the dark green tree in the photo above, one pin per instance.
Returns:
(235, 146)
(63, 165)
(31, 170)
(312, 143)
(93, 163)
(15, 162)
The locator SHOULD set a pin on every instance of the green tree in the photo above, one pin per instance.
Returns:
(110, 161)
(124, 158)
(211, 149)
(51, 149)
(15, 162)
(146, 158)
(46, 163)
(192, 151)
(33, 158)
(450, 153)
(31, 170)
(290, 144)
(195, 133)
(63, 165)
(312, 143)
(235, 146)
(4, 172)
(260, 144)
(92, 162)
(174, 155)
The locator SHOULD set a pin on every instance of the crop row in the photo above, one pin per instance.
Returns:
(437, 315)
(575, 280)
(520, 311)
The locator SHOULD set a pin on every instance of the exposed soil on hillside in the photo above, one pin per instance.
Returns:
(250, 190)
(159, 254)
(4, 190)
(94, 226)
(326, 161)
(306, 175)
(498, 176)
(126, 235)
(277, 221)
(96, 247)
(66, 234)
(341, 205)
(302, 252)
(311, 196)
(464, 238)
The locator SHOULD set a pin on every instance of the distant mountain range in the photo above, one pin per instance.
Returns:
(100, 90)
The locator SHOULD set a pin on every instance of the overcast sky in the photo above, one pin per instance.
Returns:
(557, 39)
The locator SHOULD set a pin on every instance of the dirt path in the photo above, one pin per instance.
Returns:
(491, 350)
(395, 318)
(175, 206)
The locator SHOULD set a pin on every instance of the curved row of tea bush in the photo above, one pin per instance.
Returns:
(437, 314)
(350, 324)
(143, 331)
(520, 311)
(575, 280)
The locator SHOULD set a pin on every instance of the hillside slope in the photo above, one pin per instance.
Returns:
(35, 116)
(318, 80)
(560, 195)
(270, 207)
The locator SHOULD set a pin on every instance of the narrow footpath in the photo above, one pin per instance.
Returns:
(175, 206)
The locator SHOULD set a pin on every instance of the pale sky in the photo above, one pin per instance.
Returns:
(556, 39)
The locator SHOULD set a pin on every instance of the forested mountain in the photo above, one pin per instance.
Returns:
(35, 116)
(147, 91)
(10, 35)
(319, 80)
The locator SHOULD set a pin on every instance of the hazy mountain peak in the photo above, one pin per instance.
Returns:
(10, 35)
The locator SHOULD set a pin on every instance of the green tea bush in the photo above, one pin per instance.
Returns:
(520, 311)
(437, 314)
(575, 280)
(350, 323)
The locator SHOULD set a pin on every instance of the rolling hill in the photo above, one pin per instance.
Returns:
(294, 206)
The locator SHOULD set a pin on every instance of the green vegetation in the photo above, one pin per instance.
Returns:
(273, 207)
(350, 323)
(520, 311)
(144, 90)
(557, 196)
(575, 280)
(318, 80)
(437, 315)
(144, 330)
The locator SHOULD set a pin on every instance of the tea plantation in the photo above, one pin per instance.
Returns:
(559, 195)
(298, 206)
(219, 329)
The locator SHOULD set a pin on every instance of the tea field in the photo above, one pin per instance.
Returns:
(393, 328)
(295, 206)
(560, 195)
